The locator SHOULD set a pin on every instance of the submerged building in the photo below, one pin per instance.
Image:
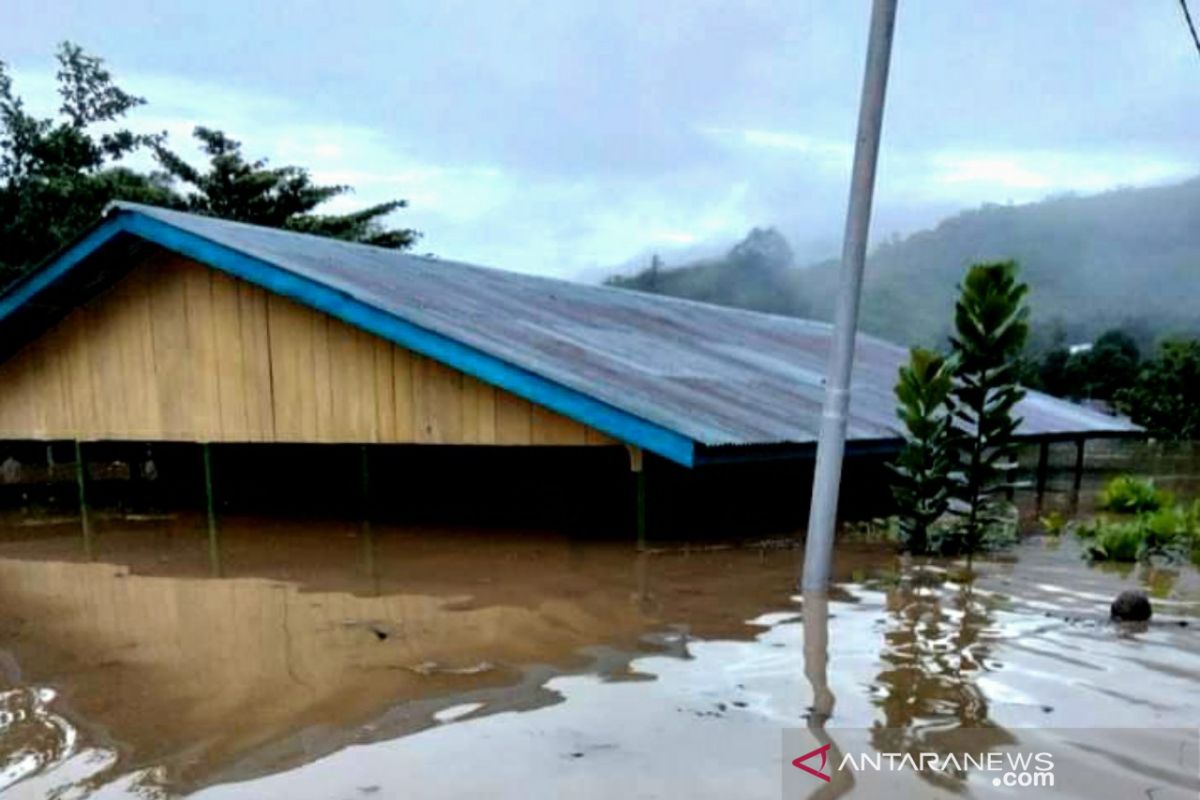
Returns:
(312, 366)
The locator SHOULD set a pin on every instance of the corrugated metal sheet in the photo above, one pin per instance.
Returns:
(718, 376)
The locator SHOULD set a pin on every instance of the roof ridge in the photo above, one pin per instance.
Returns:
(650, 297)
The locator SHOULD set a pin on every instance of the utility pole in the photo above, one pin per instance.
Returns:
(831, 446)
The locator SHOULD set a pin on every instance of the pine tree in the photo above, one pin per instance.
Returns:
(991, 326)
(922, 481)
(280, 197)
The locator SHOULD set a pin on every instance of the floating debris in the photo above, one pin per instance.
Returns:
(456, 712)
(434, 668)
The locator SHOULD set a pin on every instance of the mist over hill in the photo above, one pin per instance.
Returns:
(1126, 258)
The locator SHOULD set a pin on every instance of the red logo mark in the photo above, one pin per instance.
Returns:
(822, 751)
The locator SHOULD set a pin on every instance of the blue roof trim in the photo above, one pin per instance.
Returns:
(60, 266)
(568, 402)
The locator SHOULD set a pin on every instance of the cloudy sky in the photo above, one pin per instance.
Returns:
(566, 137)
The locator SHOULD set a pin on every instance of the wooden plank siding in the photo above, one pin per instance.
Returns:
(179, 352)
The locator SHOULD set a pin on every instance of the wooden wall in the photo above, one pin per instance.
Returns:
(180, 352)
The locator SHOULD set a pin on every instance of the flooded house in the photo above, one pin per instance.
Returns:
(168, 358)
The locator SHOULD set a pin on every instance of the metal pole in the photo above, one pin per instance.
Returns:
(818, 550)
(816, 656)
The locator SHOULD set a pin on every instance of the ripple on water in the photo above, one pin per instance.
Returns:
(323, 660)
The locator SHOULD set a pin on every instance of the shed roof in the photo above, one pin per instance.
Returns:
(684, 379)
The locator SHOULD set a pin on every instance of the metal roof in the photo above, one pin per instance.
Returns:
(715, 376)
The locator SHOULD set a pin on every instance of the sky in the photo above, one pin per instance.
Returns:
(568, 138)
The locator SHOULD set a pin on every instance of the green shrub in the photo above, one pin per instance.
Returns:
(943, 535)
(1116, 541)
(1171, 532)
(1054, 523)
(1127, 494)
(880, 529)
(999, 529)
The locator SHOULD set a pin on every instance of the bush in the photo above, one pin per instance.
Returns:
(943, 536)
(1171, 532)
(1114, 541)
(1127, 494)
(1054, 523)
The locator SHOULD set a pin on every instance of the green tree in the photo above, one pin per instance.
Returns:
(1111, 365)
(652, 273)
(1165, 397)
(280, 197)
(57, 174)
(1053, 373)
(991, 326)
(922, 483)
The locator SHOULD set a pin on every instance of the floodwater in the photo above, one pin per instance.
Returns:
(336, 660)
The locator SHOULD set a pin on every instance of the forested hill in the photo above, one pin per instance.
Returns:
(1127, 258)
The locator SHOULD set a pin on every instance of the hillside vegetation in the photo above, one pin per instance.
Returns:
(1128, 258)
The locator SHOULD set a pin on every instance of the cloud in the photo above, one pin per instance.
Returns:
(1033, 174)
(557, 137)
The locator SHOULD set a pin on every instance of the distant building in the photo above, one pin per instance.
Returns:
(1080, 349)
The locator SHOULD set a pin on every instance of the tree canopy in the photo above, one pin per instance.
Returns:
(58, 173)
(280, 197)
(1165, 396)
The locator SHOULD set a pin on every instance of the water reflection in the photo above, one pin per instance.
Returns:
(139, 668)
(816, 670)
(936, 643)
(323, 636)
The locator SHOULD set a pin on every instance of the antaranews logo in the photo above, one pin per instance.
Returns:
(1008, 768)
(823, 752)
(991, 762)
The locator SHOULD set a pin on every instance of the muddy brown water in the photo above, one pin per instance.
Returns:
(340, 660)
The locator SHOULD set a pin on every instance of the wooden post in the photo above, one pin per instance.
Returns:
(641, 509)
(1043, 468)
(367, 533)
(641, 579)
(636, 467)
(84, 516)
(214, 540)
(365, 480)
(1079, 444)
(370, 566)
